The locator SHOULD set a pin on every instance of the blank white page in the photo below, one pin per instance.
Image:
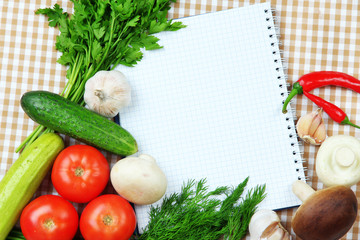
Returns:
(208, 105)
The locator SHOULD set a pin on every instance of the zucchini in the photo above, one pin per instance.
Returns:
(66, 117)
(24, 178)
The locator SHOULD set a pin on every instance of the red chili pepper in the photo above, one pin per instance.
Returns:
(334, 112)
(314, 80)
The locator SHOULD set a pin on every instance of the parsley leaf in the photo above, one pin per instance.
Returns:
(156, 27)
(150, 42)
(99, 32)
(55, 15)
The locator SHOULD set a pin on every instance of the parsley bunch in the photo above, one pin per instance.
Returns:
(196, 213)
(99, 35)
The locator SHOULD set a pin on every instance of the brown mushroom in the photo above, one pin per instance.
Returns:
(326, 214)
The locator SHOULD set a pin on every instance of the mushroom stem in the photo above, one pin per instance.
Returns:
(302, 190)
(344, 156)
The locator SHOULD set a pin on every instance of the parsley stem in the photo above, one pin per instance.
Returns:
(79, 91)
(108, 45)
(30, 138)
(41, 131)
(74, 74)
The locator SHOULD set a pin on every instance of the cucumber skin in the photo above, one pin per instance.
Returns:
(24, 177)
(66, 117)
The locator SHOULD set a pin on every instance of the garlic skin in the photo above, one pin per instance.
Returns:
(311, 128)
(107, 92)
(265, 225)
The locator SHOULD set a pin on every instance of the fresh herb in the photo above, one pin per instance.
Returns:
(101, 34)
(197, 213)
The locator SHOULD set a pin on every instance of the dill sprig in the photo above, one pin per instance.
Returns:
(243, 213)
(196, 213)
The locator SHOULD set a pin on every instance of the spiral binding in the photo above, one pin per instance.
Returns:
(290, 117)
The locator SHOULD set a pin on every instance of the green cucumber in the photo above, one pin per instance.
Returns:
(24, 178)
(66, 117)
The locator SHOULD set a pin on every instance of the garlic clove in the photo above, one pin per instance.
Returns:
(316, 123)
(304, 123)
(273, 231)
(276, 232)
(320, 133)
(265, 225)
(311, 127)
(287, 236)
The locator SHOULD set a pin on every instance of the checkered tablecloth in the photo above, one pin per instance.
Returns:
(315, 35)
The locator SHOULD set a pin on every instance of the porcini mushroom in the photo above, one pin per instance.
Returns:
(326, 214)
(338, 161)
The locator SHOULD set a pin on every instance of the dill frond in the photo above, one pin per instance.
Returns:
(196, 213)
(244, 213)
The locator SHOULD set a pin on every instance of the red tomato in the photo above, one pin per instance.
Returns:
(80, 173)
(49, 217)
(108, 217)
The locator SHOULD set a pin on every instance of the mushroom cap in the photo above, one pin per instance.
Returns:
(328, 214)
(338, 161)
(139, 179)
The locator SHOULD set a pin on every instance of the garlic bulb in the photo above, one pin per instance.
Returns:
(265, 225)
(107, 92)
(311, 127)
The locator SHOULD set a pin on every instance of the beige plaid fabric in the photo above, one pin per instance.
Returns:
(316, 35)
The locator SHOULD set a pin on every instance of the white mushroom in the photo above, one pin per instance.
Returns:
(265, 225)
(107, 92)
(338, 161)
(139, 179)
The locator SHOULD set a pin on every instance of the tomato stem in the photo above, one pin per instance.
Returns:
(79, 171)
(107, 220)
(49, 224)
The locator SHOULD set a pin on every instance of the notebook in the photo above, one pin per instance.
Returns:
(208, 105)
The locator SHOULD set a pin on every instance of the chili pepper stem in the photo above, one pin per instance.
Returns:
(297, 89)
(346, 121)
(288, 99)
